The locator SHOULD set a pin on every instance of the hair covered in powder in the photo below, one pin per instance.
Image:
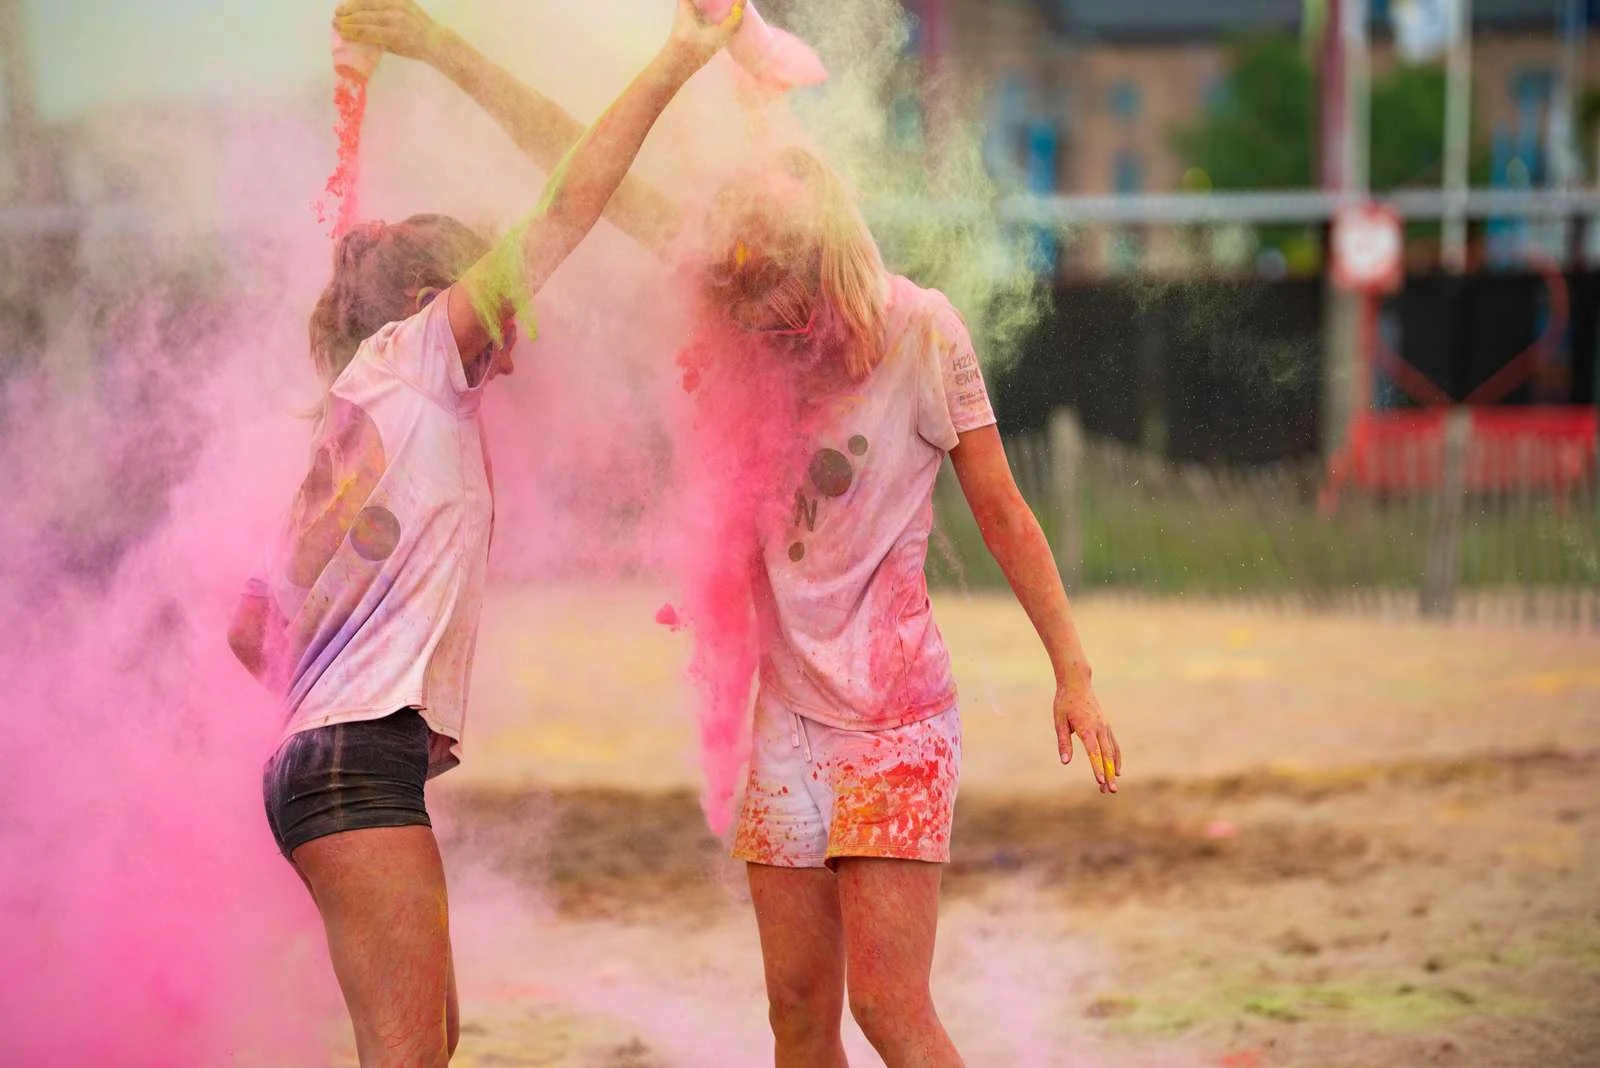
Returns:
(789, 250)
(379, 273)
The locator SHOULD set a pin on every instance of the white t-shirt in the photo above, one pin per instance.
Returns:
(848, 637)
(378, 580)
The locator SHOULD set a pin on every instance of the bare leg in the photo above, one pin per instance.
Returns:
(381, 893)
(802, 948)
(890, 911)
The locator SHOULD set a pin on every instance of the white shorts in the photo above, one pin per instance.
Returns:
(817, 793)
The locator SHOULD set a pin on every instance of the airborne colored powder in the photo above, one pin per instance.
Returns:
(745, 444)
(154, 437)
(340, 205)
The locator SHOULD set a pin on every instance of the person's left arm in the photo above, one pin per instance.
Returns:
(1012, 534)
(954, 414)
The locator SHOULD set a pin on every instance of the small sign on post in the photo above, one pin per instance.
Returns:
(1367, 249)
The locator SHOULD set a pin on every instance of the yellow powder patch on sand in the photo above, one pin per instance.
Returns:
(1561, 683)
(1229, 669)
(1240, 637)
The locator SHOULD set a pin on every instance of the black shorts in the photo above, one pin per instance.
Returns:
(348, 777)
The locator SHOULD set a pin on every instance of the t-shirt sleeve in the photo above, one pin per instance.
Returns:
(422, 351)
(953, 398)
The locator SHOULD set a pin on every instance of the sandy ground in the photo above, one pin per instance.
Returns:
(1340, 842)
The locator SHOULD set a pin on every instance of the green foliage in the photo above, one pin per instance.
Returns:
(1260, 134)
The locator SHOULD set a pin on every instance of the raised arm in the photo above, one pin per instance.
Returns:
(503, 282)
(1013, 536)
(538, 125)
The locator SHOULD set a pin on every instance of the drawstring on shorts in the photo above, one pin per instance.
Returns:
(798, 736)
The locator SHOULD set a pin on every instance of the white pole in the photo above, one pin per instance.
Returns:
(1563, 145)
(1567, 164)
(1354, 15)
(1458, 138)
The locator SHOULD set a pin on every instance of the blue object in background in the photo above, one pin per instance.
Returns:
(1128, 175)
(1044, 142)
(1534, 91)
(1385, 394)
(1503, 233)
(1125, 101)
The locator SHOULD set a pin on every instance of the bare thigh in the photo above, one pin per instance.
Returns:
(381, 892)
(890, 914)
(890, 911)
(802, 952)
(802, 937)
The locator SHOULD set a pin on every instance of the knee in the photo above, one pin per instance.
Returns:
(797, 1008)
(883, 1009)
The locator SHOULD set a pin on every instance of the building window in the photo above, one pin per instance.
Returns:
(1004, 148)
(1533, 88)
(1125, 101)
(1127, 176)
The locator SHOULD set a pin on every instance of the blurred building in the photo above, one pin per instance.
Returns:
(1083, 96)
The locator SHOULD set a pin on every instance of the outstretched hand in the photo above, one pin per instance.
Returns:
(1077, 712)
(397, 26)
(697, 38)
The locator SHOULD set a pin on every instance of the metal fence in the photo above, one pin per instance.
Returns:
(1513, 549)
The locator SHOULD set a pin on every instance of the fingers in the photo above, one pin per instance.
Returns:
(374, 28)
(1097, 763)
(735, 16)
(359, 7)
(1064, 742)
(369, 20)
(1113, 761)
(356, 7)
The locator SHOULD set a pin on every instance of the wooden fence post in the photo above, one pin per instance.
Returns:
(1066, 462)
(1443, 566)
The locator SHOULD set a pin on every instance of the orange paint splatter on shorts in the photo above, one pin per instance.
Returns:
(754, 836)
(901, 810)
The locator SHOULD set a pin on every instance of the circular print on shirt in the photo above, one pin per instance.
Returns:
(831, 473)
(376, 534)
(333, 498)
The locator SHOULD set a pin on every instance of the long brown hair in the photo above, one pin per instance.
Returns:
(380, 271)
(790, 242)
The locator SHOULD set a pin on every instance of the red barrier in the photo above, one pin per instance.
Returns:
(1550, 449)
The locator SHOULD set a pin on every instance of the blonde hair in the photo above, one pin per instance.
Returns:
(791, 241)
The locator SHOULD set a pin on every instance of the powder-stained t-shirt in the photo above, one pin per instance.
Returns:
(848, 637)
(378, 582)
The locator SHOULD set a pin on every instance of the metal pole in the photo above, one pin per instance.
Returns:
(1563, 127)
(1458, 138)
(1355, 148)
(1346, 102)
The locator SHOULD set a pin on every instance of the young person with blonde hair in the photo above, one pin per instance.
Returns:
(856, 752)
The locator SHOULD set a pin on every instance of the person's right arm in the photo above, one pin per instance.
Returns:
(502, 284)
(540, 127)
